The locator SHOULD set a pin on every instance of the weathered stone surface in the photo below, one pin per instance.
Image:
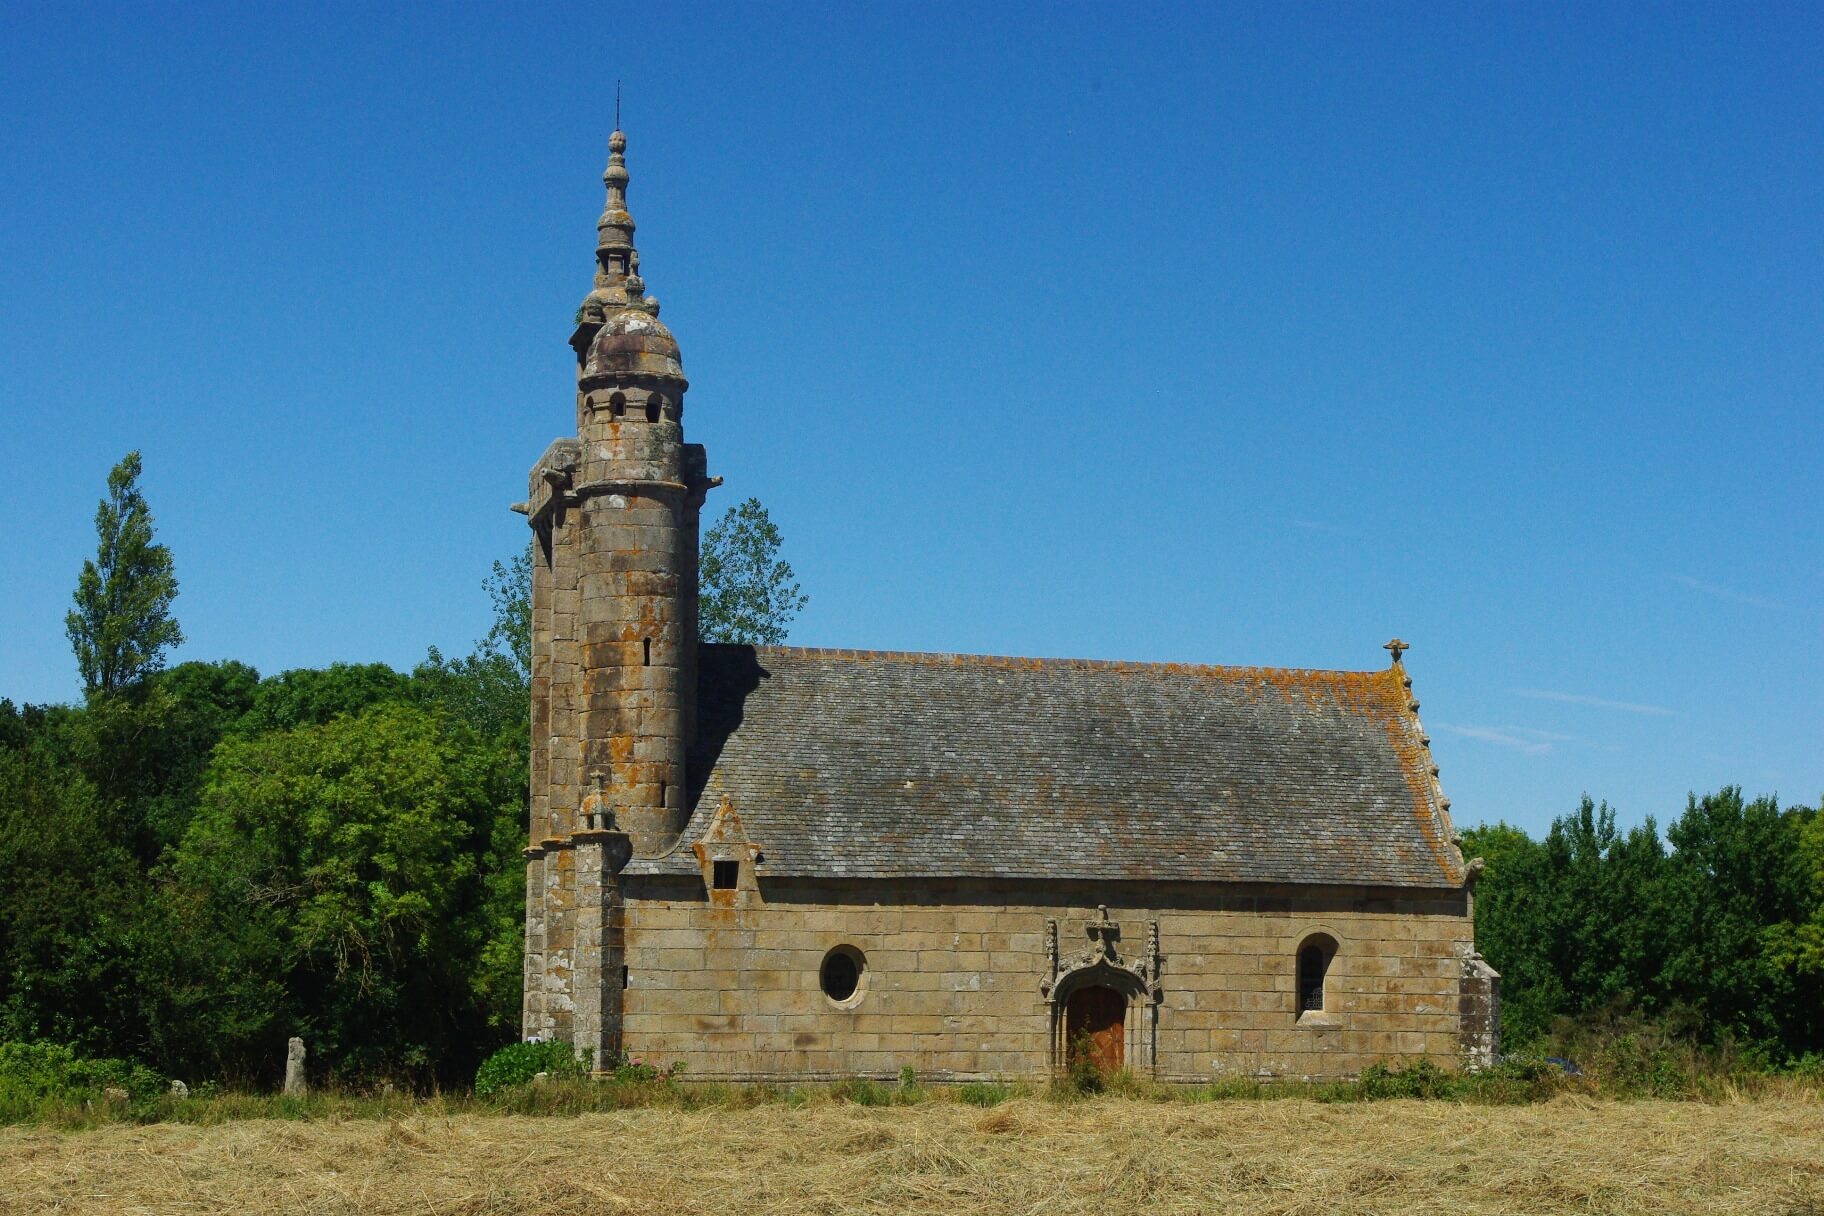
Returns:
(990, 839)
(294, 1068)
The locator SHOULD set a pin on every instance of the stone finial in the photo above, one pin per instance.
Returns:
(295, 1085)
(1397, 648)
(617, 262)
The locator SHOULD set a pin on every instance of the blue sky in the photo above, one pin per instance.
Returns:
(1215, 334)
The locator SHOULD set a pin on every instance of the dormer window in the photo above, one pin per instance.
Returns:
(726, 875)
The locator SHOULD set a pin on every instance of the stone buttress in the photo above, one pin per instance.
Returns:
(614, 514)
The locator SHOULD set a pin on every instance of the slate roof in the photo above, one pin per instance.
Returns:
(873, 764)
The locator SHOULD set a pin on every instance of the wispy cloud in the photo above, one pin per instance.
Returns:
(1725, 593)
(1532, 742)
(1574, 698)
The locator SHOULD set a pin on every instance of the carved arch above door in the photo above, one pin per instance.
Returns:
(1101, 964)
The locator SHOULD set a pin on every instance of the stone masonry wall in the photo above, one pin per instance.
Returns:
(728, 983)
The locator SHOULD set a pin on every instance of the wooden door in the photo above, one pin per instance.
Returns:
(1095, 1021)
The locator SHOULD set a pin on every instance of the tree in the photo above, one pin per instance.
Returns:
(1796, 947)
(1738, 869)
(310, 696)
(122, 624)
(510, 590)
(145, 749)
(68, 897)
(335, 883)
(491, 688)
(1516, 928)
(748, 592)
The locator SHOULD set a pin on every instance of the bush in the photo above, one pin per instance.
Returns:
(636, 1070)
(517, 1064)
(1082, 1077)
(1643, 1066)
(34, 1075)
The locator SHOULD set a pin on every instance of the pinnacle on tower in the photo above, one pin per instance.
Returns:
(618, 283)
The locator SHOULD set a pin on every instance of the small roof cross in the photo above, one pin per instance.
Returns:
(1398, 648)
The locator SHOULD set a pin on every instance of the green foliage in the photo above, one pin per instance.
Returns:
(484, 689)
(68, 900)
(490, 689)
(519, 1063)
(34, 1076)
(1795, 946)
(509, 589)
(315, 696)
(1082, 1076)
(864, 1091)
(1565, 915)
(334, 884)
(1709, 940)
(1738, 870)
(1421, 1080)
(748, 592)
(984, 1093)
(121, 624)
(636, 1069)
(146, 749)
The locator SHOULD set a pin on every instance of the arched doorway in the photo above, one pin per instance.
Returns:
(1095, 1025)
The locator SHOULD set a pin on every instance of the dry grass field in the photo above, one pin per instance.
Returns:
(1571, 1154)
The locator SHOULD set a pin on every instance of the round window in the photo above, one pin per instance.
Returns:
(841, 975)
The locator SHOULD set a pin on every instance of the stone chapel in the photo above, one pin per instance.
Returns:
(779, 863)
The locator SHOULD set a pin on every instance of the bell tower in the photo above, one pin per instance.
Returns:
(614, 514)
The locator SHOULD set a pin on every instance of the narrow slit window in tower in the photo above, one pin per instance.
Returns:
(618, 404)
(654, 404)
(646, 661)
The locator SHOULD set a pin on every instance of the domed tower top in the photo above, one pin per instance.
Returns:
(619, 337)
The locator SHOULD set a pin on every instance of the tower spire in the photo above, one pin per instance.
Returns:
(618, 283)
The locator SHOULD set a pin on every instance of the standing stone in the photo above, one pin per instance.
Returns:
(294, 1069)
(179, 1089)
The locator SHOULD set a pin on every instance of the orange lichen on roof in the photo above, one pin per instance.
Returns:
(1264, 676)
(1382, 696)
(1416, 766)
(863, 762)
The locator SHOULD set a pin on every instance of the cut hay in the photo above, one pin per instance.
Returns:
(1033, 1158)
